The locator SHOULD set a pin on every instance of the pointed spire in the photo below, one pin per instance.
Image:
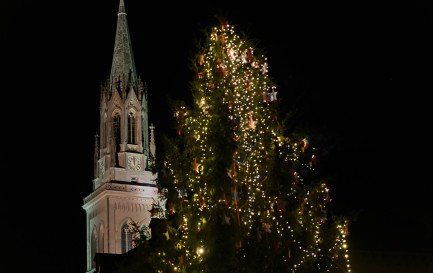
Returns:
(123, 59)
(121, 8)
(152, 145)
(140, 88)
(96, 157)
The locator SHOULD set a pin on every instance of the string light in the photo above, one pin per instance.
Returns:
(229, 70)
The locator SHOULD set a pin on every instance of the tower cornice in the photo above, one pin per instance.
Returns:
(137, 190)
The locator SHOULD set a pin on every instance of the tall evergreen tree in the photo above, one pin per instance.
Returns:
(243, 196)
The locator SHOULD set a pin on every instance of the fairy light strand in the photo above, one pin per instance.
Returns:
(228, 65)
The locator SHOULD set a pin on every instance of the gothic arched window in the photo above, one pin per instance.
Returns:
(101, 239)
(131, 128)
(93, 246)
(116, 135)
(126, 239)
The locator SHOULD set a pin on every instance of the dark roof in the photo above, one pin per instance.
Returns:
(135, 260)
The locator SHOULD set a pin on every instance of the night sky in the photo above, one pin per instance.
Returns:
(357, 75)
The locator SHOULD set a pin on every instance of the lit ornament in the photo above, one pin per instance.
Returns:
(251, 122)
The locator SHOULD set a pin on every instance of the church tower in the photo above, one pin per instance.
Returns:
(124, 188)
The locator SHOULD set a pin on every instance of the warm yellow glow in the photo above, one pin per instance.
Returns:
(200, 251)
(239, 78)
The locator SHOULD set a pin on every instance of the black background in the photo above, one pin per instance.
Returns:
(358, 73)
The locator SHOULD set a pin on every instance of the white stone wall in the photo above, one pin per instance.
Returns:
(109, 207)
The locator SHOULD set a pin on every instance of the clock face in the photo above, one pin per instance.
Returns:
(134, 163)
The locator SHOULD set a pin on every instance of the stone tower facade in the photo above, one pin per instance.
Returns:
(124, 188)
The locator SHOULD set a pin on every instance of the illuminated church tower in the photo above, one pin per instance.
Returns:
(124, 188)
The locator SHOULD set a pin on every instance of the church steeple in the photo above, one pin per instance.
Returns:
(124, 187)
(123, 67)
(124, 129)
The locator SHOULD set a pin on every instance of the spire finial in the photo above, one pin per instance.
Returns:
(121, 8)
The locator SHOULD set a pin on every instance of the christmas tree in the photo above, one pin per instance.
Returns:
(243, 196)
